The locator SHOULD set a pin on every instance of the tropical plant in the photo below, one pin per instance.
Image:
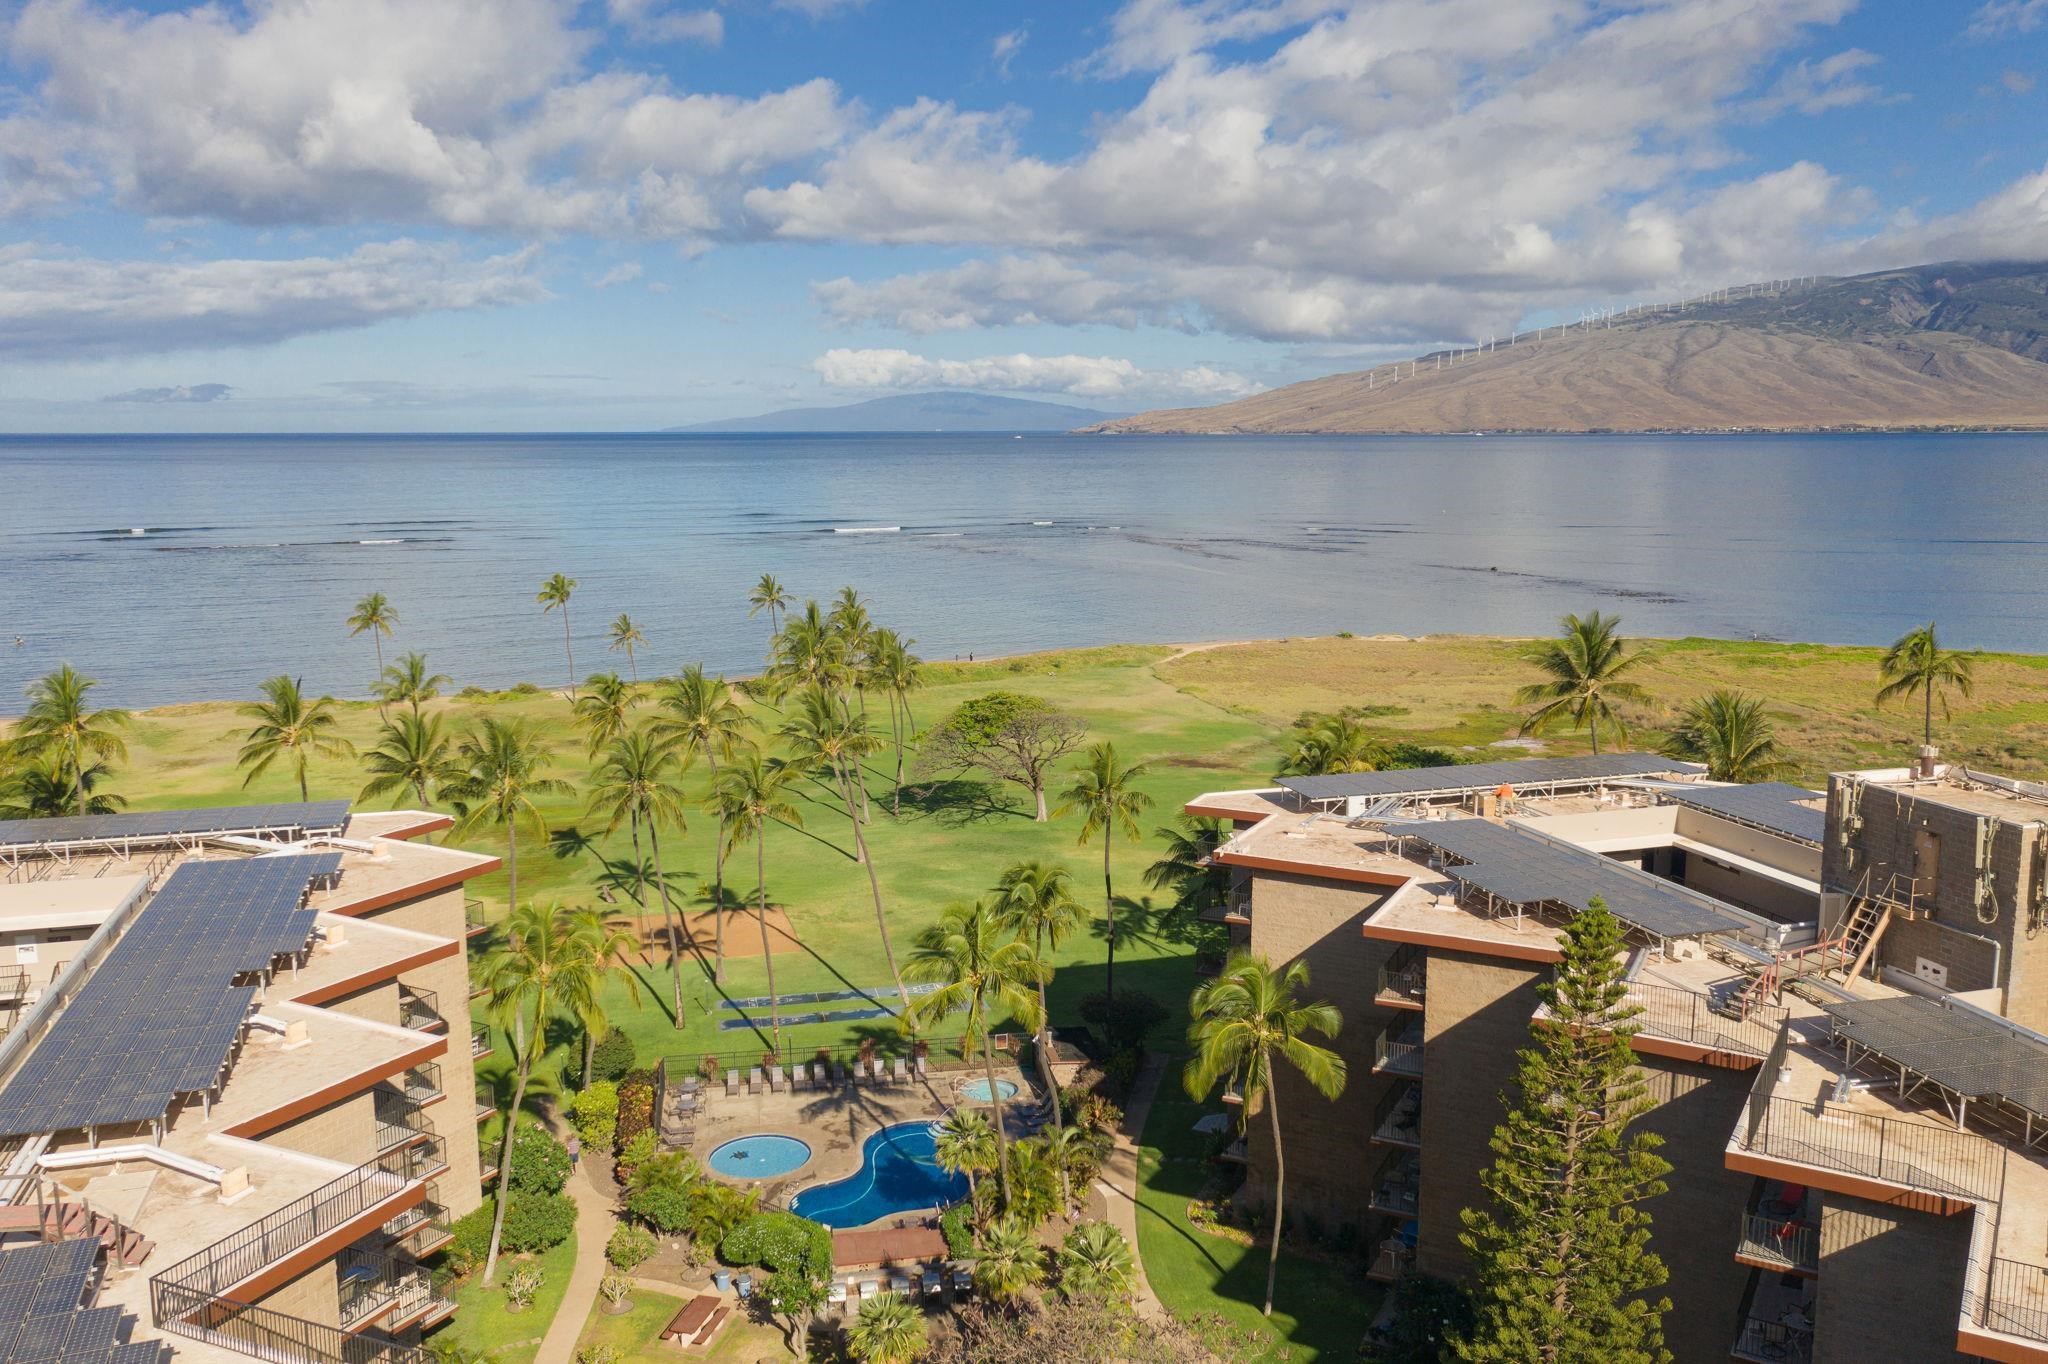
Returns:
(611, 947)
(770, 596)
(1247, 1020)
(888, 1330)
(504, 765)
(750, 794)
(703, 717)
(1035, 1176)
(42, 787)
(630, 1246)
(637, 785)
(375, 617)
(521, 1286)
(1561, 1249)
(977, 966)
(555, 592)
(1586, 670)
(626, 635)
(1107, 795)
(1035, 900)
(604, 710)
(1007, 1259)
(809, 655)
(1012, 737)
(1916, 662)
(61, 719)
(407, 682)
(1325, 745)
(290, 727)
(411, 754)
(1731, 734)
(617, 1290)
(965, 1144)
(1187, 869)
(661, 1190)
(1096, 1259)
(1077, 1153)
(897, 672)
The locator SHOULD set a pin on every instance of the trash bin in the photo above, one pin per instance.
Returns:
(723, 1278)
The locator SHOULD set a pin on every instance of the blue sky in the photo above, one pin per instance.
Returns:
(626, 214)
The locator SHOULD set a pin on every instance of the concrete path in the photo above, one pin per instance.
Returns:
(594, 1223)
(1119, 1179)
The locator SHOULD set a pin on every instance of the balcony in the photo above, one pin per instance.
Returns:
(1779, 1243)
(398, 1120)
(1397, 1191)
(480, 1043)
(270, 1335)
(1235, 1153)
(1773, 1342)
(2012, 1302)
(474, 920)
(423, 1160)
(1775, 1321)
(484, 1105)
(1401, 979)
(1238, 909)
(1398, 1053)
(421, 1229)
(419, 1085)
(420, 1010)
(1397, 1121)
(1828, 1137)
(367, 1286)
(1698, 1019)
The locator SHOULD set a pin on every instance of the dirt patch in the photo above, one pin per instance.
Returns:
(700, 933)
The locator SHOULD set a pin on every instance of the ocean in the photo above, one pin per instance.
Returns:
(187, 568)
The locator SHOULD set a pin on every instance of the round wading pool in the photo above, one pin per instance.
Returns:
(765, 1155)
(976, 1091)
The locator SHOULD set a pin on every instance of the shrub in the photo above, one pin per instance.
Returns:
(637, 1152)
(521, 1285)
(1119, 1070)
(958, 1230)
(537, 1222)
(1125, 1022)
(525, 689)
(709, 1067)
(616, 1288)
(779, 1240)
(596, 1112)
(661, 1191)
(472, 1238)
(636, 1109)
(613, 1056)
(630, 1246)
(1429, 1313)
(598, 1354)
(540, 1164)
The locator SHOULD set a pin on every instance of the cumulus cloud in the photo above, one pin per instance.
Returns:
(183, 393)
(58, 305)
(1079, 376)
(654, 21)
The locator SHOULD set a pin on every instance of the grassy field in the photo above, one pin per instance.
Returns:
(481, 1322)
(636, 1335)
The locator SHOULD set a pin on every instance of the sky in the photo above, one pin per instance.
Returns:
(457, 215)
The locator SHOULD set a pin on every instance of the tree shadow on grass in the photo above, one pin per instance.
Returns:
(956, 802)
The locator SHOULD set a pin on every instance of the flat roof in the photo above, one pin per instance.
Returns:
(1773, 806)
(1471, 778)
(1973, 1054)
(69, 902)
(320, 816)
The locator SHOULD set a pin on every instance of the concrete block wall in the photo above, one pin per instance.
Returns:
(1890, 1283)
(344, 1131)
(314, 1296)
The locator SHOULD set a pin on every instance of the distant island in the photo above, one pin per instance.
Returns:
(915, 412)
(1950, 346)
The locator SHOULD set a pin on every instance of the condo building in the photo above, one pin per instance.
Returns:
(237, 1090)
(1838, 998)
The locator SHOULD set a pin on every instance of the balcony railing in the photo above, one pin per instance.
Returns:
(2014, 1300)
(1911, 1155)
(419, 1010)
(1400, 1055)
(1238, 909)
(480, 1044)
(1689, 1016)
(1401, 980)
(398, 1120)
(366, 1284)
(1773, 1342)
(1397, 1121)
(473, 918)
(420, 1084)
(270, 1335)
(1399, 1188)
(425, 1159)
(1780, 1242)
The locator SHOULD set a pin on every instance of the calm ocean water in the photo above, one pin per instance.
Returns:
(252, 549)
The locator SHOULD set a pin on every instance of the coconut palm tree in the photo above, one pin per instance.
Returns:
(60, 719)
(1106, 794)
(888, 1331)
(550, 966)
(770, 596)
(978, 967)
(809, 655)
(628, 636)
(1916, 662)
(637, 785)
(1333, 744)
(749, 796)
(1075, 1152)
(1246, 1021)
(291, 727)
(894, 670)
(1035, 900)
(1008, 1259)
(412, 753)
(604, 709)
(407, 682)
(1731, 734)
(555, 592)
(504, 765)
(43, 787)
(1586, 670)
(1096, 1259)
(376, 617)
(965, 1144)
(1185, 869)
(701, 714)
(611, 948)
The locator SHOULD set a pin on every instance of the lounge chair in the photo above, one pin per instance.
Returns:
(902, 1076)
(775, 1080)
(754, 1080)
(870, 1288)
(899, 1284)
(931, 1282)
(835, 1296)
(917, 1068)
(821, 1074)
(732, 1084)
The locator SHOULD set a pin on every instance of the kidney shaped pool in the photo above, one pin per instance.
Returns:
(898, 1173)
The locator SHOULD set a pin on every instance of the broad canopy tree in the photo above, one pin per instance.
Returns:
(1010, 736)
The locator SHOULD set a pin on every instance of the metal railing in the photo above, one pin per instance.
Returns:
(427, 1210)
(423, 1160)
(1912, 1155)
(419, 1010)
(398, 1120)
(1786, 1242)
(1398, 1116)
(366, 1284)
(1398, 1188)
(1689, 1016)
(1402, 977)
(940, 1055)
(2014, 1301)
(1397, 1054)
(1773, 1342)
(418, 1084)
(271, 1335)
(480, 1043)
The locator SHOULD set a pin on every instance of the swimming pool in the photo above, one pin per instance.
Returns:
(977, 1090)
(764, 1155)
(898, 1173)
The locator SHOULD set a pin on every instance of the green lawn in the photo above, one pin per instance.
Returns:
(636, 1335)
(483, 1324)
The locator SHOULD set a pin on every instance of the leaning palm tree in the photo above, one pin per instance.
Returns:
(549, 967)
(1731, 734)
(504, 765)
(888, 1331)
(376, 617)
(603, 710)
(289, 726)
(749, 796)
(894, 670)
(1106, 794)
(1916, 662)
(555, 592)
(978, 966)
(43, 787)
(1096, 1260)
(412, 753)
(407, 682)
(60, 719)
(701, 714)
(626, 635)
(636, 785)
(965, 1144)
(1035, 900)
(1245, 1021)
(1586, 671)
(1007, 1259)
(770, 596)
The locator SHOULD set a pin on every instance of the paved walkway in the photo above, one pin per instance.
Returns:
(1119, 1179)
(591, 1187)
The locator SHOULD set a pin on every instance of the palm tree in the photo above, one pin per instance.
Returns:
(407, 682)
(1074, 1151)
(1106, 793)
(1246, 1019)
(603, 710)
(1333, 744)
(412, 753)
(556, 591)
(1035, 900)
(43, 787)
(1916, 662)
(59, 717)
(768, 595)
(748, 795)
(887, 1331)
(703, 716)
(611, 949)
(1586, 667)
(809, 655)
(978, 966)
(1095, 1259)
(965, 1144)
(1731, 734)
(636, 785)
(549, 967)
(503, 764)
(1008, 1259)
(626, 635)
(378, 617)
(291, 727)
(1185, 868)
(892, 668)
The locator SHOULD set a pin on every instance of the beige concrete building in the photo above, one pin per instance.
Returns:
(240, 1057)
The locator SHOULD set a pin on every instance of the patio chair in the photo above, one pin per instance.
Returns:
(930, 1282)
(899, 1284)
(775, 1080)
(870, 1288)
(754, 1080)
(917, 1068)
(820, 1074)
(835, 1296)
(902, 1074)
(732, 1084)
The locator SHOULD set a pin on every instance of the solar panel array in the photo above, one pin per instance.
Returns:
(1765, 804)
(1969, 1053)
(157, 1016)
(1474, 777)
(1525, 869)
(320, 816)
(42, 1317)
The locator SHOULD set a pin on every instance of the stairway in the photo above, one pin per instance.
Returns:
(68, 1221)
(1866, 923)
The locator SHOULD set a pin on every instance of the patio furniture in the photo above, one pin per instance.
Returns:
(931, 1282)
(732, 1084)
(870, 1288)
(754, 1080)
(917, 1068)
(899, 1285)
(821, 1074)
(775, 1080)
(690, 1084)
(836, 1294)
(902, 1074)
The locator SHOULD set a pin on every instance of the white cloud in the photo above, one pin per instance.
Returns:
(1079, 376)
(1997, 18)
(55, 305)
(655, 21)
(1005, 49)
(1816, 87)
(623, 273)
(183, 393)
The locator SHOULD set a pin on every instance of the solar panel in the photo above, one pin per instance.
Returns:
(158, 1016)
(1973, 1054)
(1765, 804)
(1472, 777)
(320, 816)
(43, 1319)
